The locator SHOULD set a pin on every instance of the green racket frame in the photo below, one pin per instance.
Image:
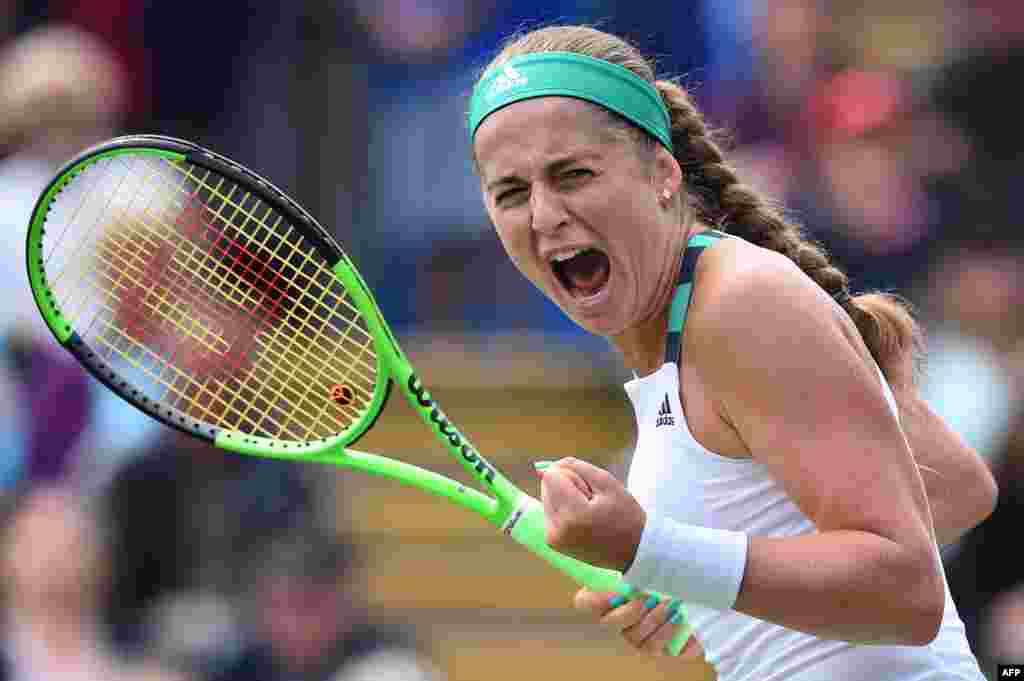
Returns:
(510, 509)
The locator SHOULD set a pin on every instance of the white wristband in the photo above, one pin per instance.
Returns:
(697, 564)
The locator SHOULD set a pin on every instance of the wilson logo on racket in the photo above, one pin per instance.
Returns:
(456, 439)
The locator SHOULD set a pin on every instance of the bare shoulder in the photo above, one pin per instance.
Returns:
(743, 288)
(796, 384)
(732, 258)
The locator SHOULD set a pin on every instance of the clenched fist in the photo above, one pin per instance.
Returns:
(590, 514)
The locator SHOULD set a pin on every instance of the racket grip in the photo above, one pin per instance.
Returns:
(527, 526)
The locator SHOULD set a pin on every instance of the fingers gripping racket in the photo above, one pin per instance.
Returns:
(202, 295)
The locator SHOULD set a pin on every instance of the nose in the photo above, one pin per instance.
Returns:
(548, 212)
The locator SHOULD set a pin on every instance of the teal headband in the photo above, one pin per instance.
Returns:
(567, 74)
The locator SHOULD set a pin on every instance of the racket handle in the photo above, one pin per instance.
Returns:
(527, 526)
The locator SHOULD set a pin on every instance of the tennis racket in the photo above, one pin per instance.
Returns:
(207, 298)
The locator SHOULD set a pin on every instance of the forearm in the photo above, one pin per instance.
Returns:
(961, 489)
(847, 585)
(953, 517)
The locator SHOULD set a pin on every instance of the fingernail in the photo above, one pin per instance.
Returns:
(651, 603)
(616, 601)
(541, 465)
(676, 618)
(673, 607)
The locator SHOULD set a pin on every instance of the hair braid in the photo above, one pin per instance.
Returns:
(721, 198)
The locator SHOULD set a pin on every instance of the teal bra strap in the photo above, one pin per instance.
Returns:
(684, 290)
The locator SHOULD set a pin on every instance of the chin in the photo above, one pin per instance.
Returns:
(599, 322)
(599, 326)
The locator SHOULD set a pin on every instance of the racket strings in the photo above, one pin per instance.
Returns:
(238, 207)
(215, 305)
(320, 374)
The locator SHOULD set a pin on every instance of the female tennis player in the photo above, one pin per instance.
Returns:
(788, 483)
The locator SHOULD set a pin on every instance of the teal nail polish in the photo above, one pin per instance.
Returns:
(676, 618)
(651, 603)
(673, 607)
(616, 601)
(541, 465)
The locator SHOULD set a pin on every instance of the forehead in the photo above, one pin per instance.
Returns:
(541, 128)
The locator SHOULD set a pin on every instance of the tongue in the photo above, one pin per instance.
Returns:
(588, 272)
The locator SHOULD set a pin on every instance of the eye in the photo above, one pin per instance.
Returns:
(577, 174)
(508, 194)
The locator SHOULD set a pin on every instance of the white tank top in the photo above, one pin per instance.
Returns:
(673, 473)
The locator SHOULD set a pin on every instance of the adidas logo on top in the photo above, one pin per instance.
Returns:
(665, 417)
(505, 81)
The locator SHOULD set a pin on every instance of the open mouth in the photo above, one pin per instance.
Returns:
(583, 273)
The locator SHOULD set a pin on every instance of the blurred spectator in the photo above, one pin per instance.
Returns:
(54, 399)
(56, 567)
(789, 54)
(1002, 637)
(227, 566)
(420, 29)
(839, 124)
(309, 622)
(186, 520)
(983, 577)
(853, 150)
(970, 89)
(61, 88)
(876, 146)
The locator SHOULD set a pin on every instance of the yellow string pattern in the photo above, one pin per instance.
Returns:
(207, 301)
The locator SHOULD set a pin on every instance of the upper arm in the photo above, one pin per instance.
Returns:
(806, 403)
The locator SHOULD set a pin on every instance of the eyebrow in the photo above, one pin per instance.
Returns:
(552, 168)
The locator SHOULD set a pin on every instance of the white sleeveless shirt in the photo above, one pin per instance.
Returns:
(672, 473)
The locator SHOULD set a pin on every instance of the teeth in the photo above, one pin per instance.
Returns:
(566, 255)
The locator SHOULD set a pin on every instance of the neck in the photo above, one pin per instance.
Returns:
(643, 344)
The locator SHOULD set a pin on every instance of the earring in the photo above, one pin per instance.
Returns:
(666, 194)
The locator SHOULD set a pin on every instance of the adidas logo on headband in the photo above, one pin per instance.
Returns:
(505, 81)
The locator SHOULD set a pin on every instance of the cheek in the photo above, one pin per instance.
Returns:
(617, 207)
(517, 242)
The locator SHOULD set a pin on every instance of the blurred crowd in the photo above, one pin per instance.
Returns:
(885, 128)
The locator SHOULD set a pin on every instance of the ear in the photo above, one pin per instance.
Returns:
(667, 176)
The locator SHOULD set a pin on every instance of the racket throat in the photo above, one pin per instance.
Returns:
(456, 441)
